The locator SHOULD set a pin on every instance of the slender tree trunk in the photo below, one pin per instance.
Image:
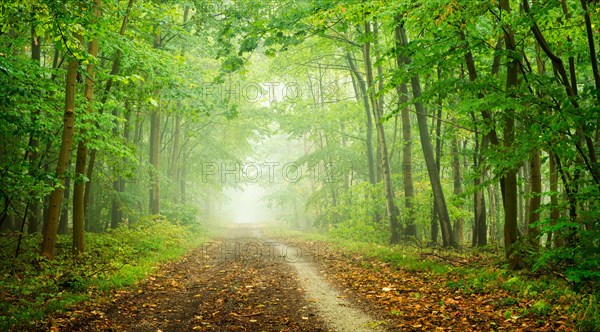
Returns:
(154, 205)
(409, 188)
(49, 239)
(510, 178)
(182, 184)
(79, 185)
(33, 220)
(535, 200)
(492, 213)
(480, 218)
(441, 207)
(175, 158)
(524, 187)
(437, 124)
(555, 210)
(368, 121)
(456, 174)
(391, 209)
(117, 185)
(155, 144)
(115, 212)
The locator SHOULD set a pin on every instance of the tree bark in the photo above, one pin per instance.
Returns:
(33, 220)
(535, 200)
(457, 176)
(510, 178)
(555, 210)
(154, 205)
(155, 144)
(409, 188)
(436, 124)
(368, 121)
(79, 184)
(440, 201)
(376, 108)
(49, 239)
(479, 237)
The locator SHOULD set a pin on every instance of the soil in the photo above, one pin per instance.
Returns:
(242, 282)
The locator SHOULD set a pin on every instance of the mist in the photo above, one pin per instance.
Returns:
(247, 205)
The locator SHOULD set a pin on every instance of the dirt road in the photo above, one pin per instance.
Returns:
(240, 282)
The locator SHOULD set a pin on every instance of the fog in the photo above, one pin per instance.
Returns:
(247, 205)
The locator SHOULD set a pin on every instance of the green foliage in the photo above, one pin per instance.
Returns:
(33, 288)
(183, 214)
(355, 216)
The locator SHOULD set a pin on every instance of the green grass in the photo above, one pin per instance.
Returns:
(31, 288)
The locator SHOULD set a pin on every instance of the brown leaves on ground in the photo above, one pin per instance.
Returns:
(424, 301)
(204, 292)
(247, 292)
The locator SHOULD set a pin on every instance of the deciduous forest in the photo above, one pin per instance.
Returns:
(203, 164)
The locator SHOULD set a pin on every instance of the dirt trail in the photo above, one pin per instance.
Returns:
(242, 282)
(338, 312)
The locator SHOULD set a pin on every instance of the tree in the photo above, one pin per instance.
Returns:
(434, 176)
(54, 208)
(376, 108)
(81, 160)
(510, 177)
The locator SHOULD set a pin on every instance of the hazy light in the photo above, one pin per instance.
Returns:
(245, 205)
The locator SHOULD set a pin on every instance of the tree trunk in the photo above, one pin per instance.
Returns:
(535, 200)
(440, 201)
(456, 174)
(115, 212)
(436, 123)
(154, 205)
(555, 210)
(79, 185)
(480, 218)
(33, 220)
(368, 121)
(492, 213)
(409, 188)
(175, 158)
(391, 209)
(155, 145)
(64, 157)
(510, 178)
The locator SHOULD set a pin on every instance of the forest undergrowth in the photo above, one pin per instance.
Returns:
(421, 287)
(31, 287)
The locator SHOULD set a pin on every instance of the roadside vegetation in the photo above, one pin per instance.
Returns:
(33, 288)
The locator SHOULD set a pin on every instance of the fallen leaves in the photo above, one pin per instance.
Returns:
(421, 300)
(203, 293)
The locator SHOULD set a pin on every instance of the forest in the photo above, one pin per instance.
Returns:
(437, 161)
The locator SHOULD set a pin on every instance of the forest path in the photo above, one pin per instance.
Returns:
(240, 282)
